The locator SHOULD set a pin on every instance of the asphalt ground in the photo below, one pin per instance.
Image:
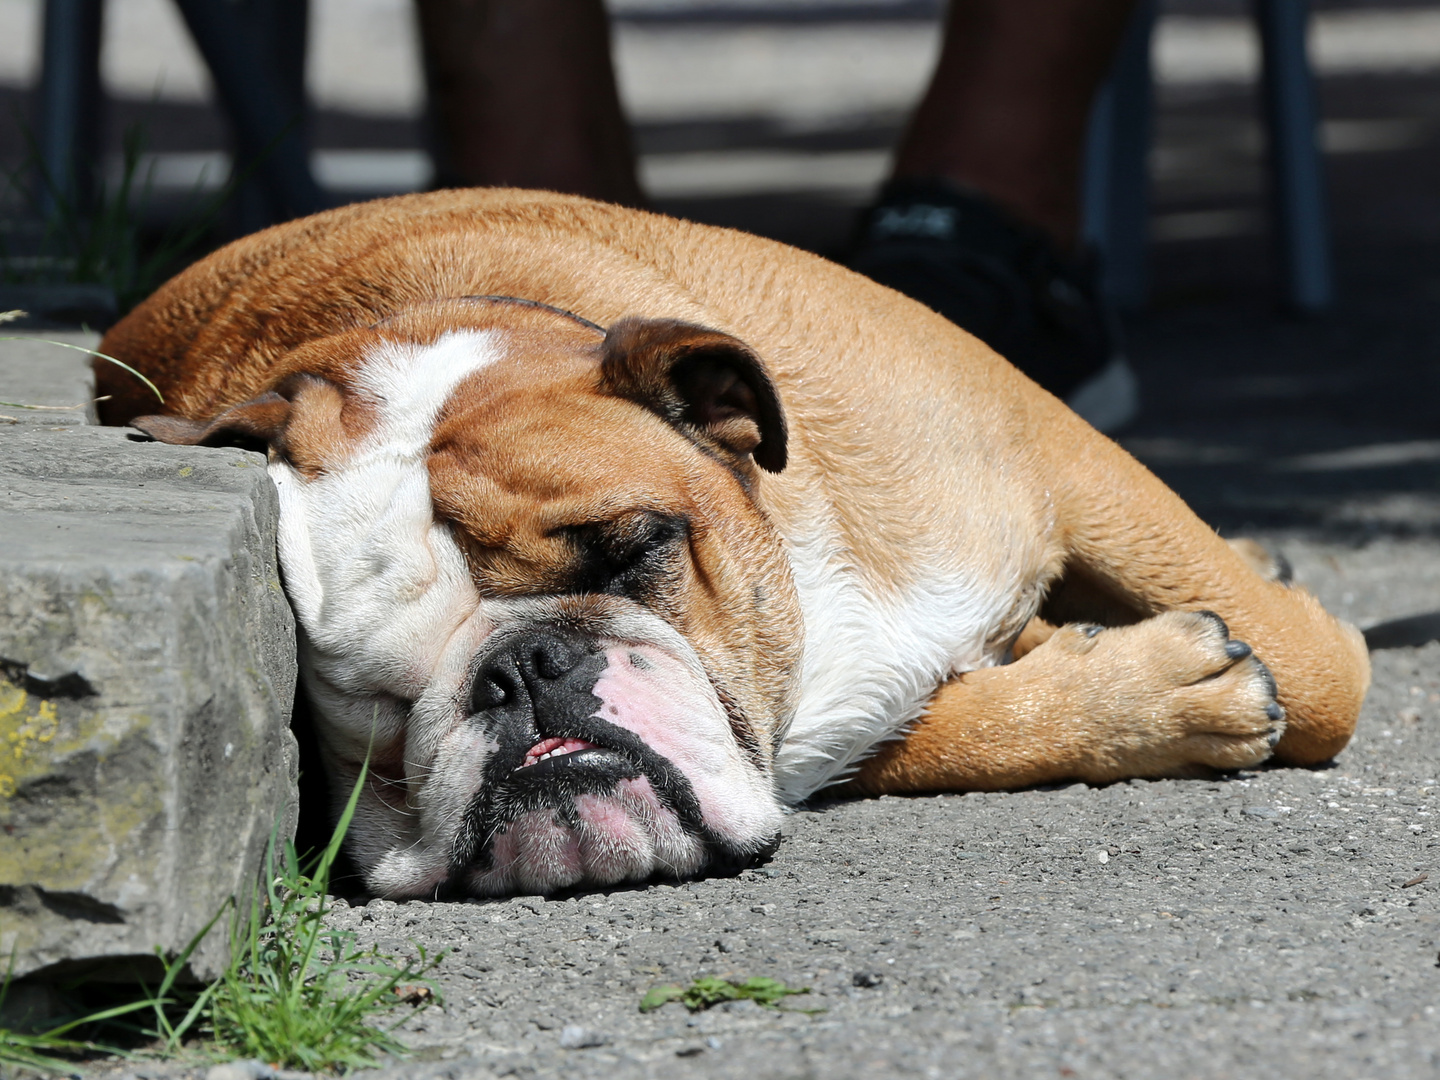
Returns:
(1272, 923)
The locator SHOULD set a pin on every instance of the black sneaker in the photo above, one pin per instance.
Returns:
(1006, 283)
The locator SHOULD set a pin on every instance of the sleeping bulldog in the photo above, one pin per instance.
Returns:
(610, 536)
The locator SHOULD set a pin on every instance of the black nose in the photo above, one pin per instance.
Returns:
(525, 666)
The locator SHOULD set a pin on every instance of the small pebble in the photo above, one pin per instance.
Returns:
(248, 1069)
(575, 1037)
(868, 978)
(744, 1005)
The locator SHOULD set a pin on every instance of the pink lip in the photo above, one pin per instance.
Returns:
(554, 748)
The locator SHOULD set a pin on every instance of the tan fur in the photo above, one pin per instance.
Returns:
(937, 453)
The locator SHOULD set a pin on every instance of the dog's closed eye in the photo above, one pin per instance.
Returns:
(624, 556)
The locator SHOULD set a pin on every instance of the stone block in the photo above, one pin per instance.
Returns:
(43, 385)
(146, 678)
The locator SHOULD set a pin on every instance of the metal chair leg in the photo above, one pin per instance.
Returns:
(67, 130)
(1116, 178)
(1297, 187)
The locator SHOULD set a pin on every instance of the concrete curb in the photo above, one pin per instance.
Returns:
(146, 678)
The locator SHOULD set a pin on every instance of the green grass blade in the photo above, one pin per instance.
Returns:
(44, 408)
(80, 348)
(94, 1018)
(337, 838)
(26, 1050)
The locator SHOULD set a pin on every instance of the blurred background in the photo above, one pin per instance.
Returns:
(777, 116)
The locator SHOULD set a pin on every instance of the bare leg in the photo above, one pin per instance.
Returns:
(523, 94)
(1007, 108)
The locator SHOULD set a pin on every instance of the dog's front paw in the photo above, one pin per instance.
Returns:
(1175, 695)
(1224, 704)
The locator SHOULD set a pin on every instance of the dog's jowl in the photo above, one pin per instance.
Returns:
(611, 535)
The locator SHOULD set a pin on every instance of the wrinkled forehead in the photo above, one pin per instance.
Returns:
(418, 380)
(532, 435)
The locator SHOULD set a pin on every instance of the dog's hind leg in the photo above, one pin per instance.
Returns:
(1176, 653)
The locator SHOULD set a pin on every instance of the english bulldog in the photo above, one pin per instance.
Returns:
(610, 536)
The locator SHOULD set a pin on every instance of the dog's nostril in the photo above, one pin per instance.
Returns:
(512, 672)
(552, 657)
(492, 689)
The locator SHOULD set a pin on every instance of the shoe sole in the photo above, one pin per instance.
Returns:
(1110, 399)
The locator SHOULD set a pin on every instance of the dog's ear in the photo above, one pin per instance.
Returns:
(703, 380)
(255, 424)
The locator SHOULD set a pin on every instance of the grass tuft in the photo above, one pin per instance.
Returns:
(296, 994)
(102, 243)
(709, 991)
(41, 1051)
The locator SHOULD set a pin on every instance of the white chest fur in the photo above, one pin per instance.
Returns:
(873, 660)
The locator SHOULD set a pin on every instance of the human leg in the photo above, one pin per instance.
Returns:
(1008, 105)
(523, 94)
(980, 218)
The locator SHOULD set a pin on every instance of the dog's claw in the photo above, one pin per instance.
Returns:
(1236, 650)
(1275, 712)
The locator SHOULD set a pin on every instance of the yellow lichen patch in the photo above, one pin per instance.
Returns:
(64, 842)
(22, 731)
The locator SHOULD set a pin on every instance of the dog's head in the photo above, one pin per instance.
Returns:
(536, 589)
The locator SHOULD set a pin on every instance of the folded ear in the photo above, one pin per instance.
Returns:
(697, 379)
(254, 425)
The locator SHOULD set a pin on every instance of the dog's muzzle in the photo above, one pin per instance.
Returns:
(533, 695)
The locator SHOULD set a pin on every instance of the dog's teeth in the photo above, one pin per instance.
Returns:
(554, 753)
